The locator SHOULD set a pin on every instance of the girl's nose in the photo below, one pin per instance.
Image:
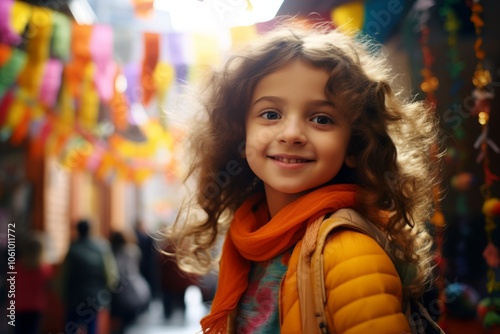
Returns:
(292, 133)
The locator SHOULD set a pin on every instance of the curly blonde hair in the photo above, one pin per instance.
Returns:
(391, 141)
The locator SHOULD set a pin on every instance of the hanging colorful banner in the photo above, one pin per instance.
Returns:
(51, 82)
(63, 82)
(9, 72)
(101, 50)
(149, 61)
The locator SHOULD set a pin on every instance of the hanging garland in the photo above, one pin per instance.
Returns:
(461, 180)
(429, 84)
(483, 94)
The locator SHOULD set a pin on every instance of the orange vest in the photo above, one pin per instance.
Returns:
(362, 286)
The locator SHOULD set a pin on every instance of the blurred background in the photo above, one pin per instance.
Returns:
(91, 130)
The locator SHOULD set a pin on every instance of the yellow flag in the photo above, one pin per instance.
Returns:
(38, 51)
(242, 35)
(349, 17)
(89, 110)
(20, 16)
(164, 76)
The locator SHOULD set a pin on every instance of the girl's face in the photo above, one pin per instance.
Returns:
(296, 140)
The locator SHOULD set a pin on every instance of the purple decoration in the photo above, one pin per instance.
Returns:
(172, 46)
(7, 35)
(181, 73)
(132, 72)
(35, 127)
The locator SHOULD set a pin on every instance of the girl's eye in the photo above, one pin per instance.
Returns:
(270, 115)
(322, 120)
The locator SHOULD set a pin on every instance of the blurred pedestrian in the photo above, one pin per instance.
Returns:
(149, 257)
(133, 294)
(32, 285)
(174, 283)
(88, 276)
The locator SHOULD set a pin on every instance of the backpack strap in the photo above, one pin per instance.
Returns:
(310, 298)
(310, 273)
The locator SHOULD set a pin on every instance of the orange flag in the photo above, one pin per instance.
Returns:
(151, 54)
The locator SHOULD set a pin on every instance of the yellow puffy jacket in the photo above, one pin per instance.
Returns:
(363, 289)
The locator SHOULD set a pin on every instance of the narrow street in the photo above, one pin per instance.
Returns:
(153, 322)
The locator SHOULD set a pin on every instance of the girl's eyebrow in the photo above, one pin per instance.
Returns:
(313, 103)
(267, 99)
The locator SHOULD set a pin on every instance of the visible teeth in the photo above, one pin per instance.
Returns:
(290, 161)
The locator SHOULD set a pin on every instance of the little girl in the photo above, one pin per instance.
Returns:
(300, 124)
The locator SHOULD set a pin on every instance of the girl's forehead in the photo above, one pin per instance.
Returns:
(295, 73)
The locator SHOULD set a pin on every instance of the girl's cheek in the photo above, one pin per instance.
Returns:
(249, 152)
(264, 136)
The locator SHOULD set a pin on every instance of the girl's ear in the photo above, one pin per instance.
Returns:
(350, 161)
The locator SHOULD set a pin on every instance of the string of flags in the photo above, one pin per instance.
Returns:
(63, 86)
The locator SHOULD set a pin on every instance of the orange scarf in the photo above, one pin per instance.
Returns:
(251, 239)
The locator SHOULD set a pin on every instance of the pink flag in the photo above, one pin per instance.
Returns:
(51, 82)
(101, 50)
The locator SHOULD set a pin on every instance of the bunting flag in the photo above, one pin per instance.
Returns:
(66, 104)
(18, 111)
(101, 50)
(57, 138)
(5, 54)
(143, 8)
(95, 158)
(5, 105)
(104, 170)
(76, 153)
(242, 35)
(7, 35)
(141, 150)
(11, 69)
(375, 18)
(61, 81)
(38, 51)
(149, 61)
(119, 104)
(36, 121)
(51, 82)
(89, 103)
(133, 91)
(20, 16)
(74, 71)
(20, 130)
(37, 146)
(164, 76)
(61, 36)
(205, 50)
(350, 16)
(173, 49)
(14, 17)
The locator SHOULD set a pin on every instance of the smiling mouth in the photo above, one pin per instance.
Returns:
(290, 161)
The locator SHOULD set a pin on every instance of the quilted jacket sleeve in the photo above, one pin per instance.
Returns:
(363, 289)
